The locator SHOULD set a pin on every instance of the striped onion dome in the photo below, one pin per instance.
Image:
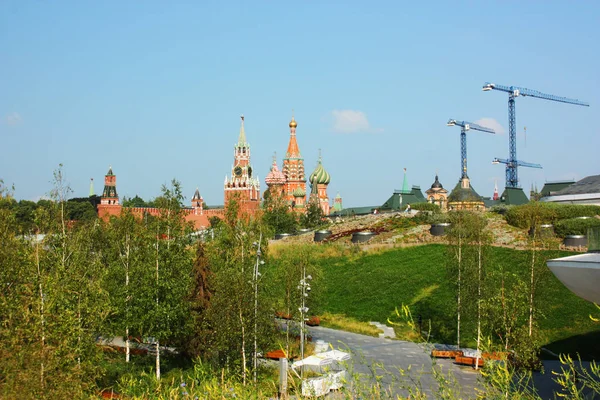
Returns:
(320, 175)
(298, 192)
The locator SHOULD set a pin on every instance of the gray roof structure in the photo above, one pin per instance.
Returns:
(584, 191)
(550, 188)
(589, 184)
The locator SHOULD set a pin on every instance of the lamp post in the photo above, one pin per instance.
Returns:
(257, 275)
(304, 287)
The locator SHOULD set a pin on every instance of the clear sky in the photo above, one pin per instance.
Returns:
(156, 88)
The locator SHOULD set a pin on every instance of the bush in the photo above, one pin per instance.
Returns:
(524, 216)
(547, 213)
(575, 226)
(500, 209)
(567, 211)
(426, 207)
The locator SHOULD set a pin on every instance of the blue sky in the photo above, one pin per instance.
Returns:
(156, 88)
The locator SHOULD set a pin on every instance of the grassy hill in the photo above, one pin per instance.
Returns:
(369, 286)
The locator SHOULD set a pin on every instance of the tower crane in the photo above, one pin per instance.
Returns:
(464, 127)
(512, 178)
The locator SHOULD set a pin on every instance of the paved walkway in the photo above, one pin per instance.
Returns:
(384, 359)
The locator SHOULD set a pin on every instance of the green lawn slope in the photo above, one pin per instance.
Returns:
(370, 287)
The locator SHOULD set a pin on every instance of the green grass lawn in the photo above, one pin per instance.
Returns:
(370, 287)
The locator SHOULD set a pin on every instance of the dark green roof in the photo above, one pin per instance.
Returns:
(459, 194)
(400, 198)
(513, 197)
(552, 187)
(490, 203)
(110, 191)
(354, 211)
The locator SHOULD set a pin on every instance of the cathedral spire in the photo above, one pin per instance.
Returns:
(293, 151)
(405, 183)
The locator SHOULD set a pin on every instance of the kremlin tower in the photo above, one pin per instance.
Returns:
(293, 171)
(109, 194)
(197, 203)
(319, 180)
(241, 183)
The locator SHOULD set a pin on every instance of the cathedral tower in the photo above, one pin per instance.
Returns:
(293, 170)
(242, 183)
(275, 180)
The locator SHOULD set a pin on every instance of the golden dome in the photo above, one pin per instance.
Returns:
(293, 123)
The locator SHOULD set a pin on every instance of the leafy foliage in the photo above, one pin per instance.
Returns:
(575, 226)
(278, 216)
(424, 206)
(521, 216)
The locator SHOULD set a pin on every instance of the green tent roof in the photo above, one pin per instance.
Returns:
(459, 194)
(513, 197)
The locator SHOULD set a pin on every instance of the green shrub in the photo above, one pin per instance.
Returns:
(575, 226)
(527, 215)
(501, 209)
(523, 216)
(426, 207)
(567, 211)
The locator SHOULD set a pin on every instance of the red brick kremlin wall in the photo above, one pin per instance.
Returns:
(195, 215)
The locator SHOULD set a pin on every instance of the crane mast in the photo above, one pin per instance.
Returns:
(464, 127)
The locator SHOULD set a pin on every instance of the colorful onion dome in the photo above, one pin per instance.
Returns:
(275, 176)
(298, 192)
(319, 175)
(293, 123)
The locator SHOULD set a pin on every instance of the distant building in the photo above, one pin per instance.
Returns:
(337, 203)
(464, 197)
(401, 198)
(550, 188)
(585, 191)
(436, 194)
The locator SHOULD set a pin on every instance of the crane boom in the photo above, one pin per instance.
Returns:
(512, 164)
(518, 163)
(469, 125)
(519, 91)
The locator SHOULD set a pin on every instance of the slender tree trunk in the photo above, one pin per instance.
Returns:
(479, 262)
(42, 317)
(243, 347)
(127, 348)
(157, 347)
(79, 331)
(458, 306)
(157, 360)
(127, 299)
(504, 316)
(531, 288)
